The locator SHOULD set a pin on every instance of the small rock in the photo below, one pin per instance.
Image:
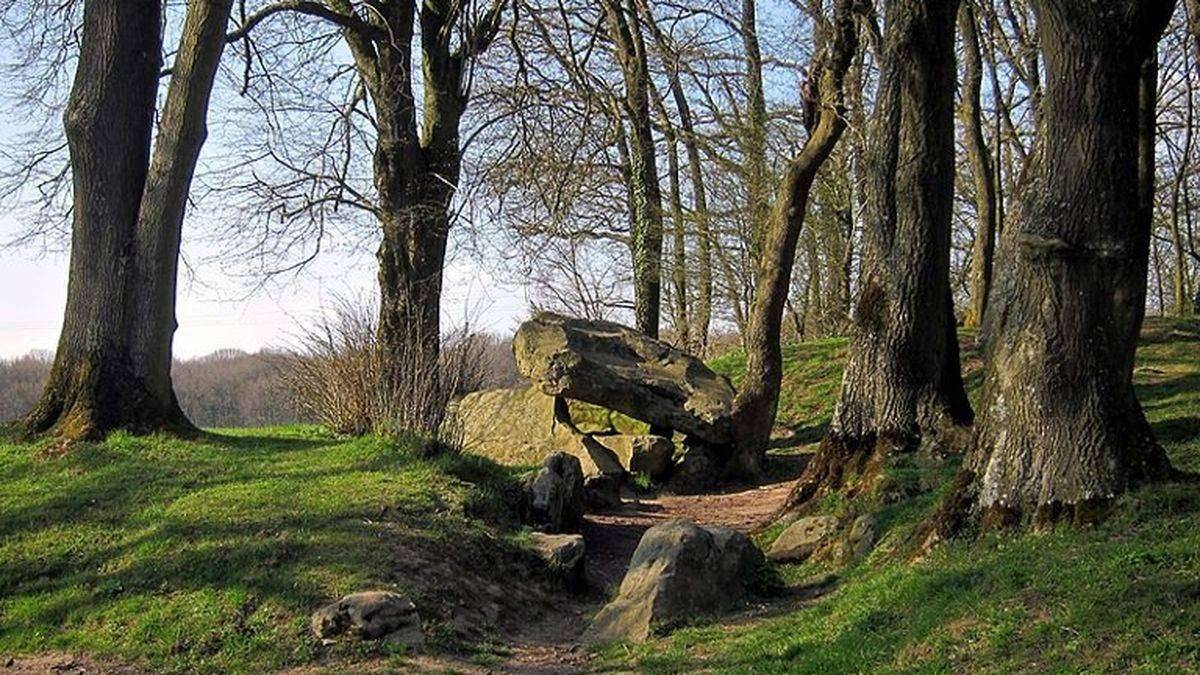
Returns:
(862, 536)
(801, 538)
(566, 554)
(696, 471)
(651, 455)
(680, 571)
(556, 494)
(370, 615)
(602, 492)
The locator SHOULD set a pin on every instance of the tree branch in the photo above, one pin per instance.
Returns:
(347, 21)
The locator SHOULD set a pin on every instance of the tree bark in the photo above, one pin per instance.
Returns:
(416, 165)
(753, 139)
(1180, 280)
(758, 398)
(984, 246)
(182, 131)
(647, 218)
(902, 386)
(112, 369)
(679, 309)
(1060, 431)
(702, 307)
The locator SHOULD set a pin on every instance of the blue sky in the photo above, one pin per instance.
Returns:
(216, 306)
(215, 309)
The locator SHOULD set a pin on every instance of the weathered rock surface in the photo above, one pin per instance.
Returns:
(680, 571)
(566, 554)
(651, 455)
(861, 538)
(518, 427)
(370, 615)
(801, 538)
(555, 494)
(602, 492)
(621, 369)
(695, 472)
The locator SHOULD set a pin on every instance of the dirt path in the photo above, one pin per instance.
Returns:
(553, 645)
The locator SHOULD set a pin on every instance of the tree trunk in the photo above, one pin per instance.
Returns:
(182, 130)
(414, 188)
(678, 232)
(702, 308)
(417, 166)
(646, 237)
(1180, 281)
(755, 173)
(758, 397)
(113, 364)
(903, 384)
(984, 247)
(1060, 431)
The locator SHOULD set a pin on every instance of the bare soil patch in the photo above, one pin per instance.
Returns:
(553, 644)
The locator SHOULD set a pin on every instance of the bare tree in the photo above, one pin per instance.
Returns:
(982, 171)
(903, 384)
(1060, 431)
(624, 28)
(758, 397)
(112, 368)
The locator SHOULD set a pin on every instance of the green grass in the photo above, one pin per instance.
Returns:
(210, 555)
(812, 374)
(1120, 597)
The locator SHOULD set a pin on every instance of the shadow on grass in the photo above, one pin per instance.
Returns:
(263, 443)
(164, 537)
(803, 435)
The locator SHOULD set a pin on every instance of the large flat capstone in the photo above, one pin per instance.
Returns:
(621, 369)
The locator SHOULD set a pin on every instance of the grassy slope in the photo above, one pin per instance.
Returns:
(210, 555)
(1124, 596)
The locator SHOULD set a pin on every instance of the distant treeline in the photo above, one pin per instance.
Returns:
(228, 388)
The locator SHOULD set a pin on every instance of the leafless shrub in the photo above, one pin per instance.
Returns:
(343, 376)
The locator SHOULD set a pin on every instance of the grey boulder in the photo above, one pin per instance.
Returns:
(802, 538)
(680, 571)
(861, 538)
(555, 494)
(602, 492)
(621, 369)
(565, 554)
(370, 615)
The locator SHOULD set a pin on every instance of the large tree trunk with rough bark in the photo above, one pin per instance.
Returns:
(902, 386)
(417, 164)
(1060, 431)
(112, 369)
(646, 238)
(413, 207)
(984, 247)
(182, 130)
(758, 398)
